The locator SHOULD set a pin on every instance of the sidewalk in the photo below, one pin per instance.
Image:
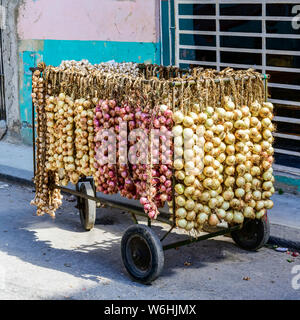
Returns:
(16, 164)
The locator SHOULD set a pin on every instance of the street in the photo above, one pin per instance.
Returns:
(42, 258)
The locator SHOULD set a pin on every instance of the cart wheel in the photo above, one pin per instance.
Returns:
(142, 253)
(253, 235)
(87, 208)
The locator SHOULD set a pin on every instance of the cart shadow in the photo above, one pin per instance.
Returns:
(100, 260)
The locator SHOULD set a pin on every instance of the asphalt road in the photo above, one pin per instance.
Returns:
(42, 258)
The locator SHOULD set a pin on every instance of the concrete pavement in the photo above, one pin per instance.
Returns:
(42, 258)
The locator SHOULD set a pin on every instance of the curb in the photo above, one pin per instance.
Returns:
(19, 176)
(280, 242)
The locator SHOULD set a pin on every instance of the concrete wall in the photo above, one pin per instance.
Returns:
(10, 64)
(97, 30)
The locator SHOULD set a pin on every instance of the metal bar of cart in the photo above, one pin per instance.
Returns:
(163, 217)
(167, 233)
(134, 218)
(201, 238)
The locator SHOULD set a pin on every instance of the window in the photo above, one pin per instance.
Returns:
(245, 34)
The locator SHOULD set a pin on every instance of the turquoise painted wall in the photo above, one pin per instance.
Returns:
(52, 52)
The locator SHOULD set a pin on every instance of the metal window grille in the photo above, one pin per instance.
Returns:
(260, 34)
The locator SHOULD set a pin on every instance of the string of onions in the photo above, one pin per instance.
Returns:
(223, 166)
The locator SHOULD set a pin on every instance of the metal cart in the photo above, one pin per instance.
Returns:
(142, 250)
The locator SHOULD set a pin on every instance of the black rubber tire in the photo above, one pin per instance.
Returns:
(142, 253)
(254, 234)
(87, 208)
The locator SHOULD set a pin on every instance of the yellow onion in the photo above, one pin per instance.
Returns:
(239, 192)
(190, 225)
(225, 205)
(229, 181)
(221, 213)
(180, 175)
(205, 196)
(256, 195)
(188, 121)
(202, 218)
(178, 117)
(178, 164)
(191, 215)
(228, 195)
(209, 171)
(240, 182)
(189, 191)
(180, 201)
(181, 213)
(249, 212)
(267, 185)
(260, 214)
(179, 188)
(181, 223)
(206, 209)
(229, 216)
(269, 204)
(189, 205)
(230, 170)
(213, 220)
(212, 203)
(238, 217)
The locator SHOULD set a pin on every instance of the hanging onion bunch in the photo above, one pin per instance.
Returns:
(46, 198)
(223, 159)
(105, 147)
(162, 155)
(84, 135)
(124, 121)
(188, 154)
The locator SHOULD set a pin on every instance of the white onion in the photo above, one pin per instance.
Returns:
(177, 130)
(188, 133)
